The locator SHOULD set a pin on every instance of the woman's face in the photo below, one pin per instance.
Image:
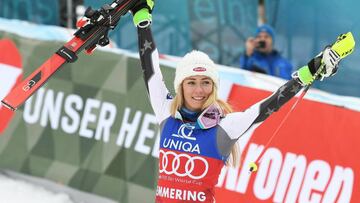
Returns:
(196, 90)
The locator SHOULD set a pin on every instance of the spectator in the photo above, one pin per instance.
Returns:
(261, 57)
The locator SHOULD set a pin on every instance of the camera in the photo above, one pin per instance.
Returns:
(261, 45)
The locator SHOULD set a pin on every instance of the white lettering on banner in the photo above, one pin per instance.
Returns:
(289, 179)
(106, 119)
(181, 145)
(60, 111)
(296, 165)
(72, 114)
(88, 117)
(52, 109)
(56, 109)
(35, 115)
(145, 133)
(267, 175)
(186, 195)
(128, 129)
(316, 179)
(341, 178)
(155, 151)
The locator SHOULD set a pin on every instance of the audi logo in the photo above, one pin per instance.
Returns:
(176, 162)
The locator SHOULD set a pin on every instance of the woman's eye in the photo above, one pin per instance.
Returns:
(206, 82)
(191, 83)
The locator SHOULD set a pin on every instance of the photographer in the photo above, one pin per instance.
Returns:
(261, 57)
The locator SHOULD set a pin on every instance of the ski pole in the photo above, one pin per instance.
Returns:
(343, 46)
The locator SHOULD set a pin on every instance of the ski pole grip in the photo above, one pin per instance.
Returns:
(344, 45)
(142, 18)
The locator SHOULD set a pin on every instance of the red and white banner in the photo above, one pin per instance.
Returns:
(10, 75)
(313, 157)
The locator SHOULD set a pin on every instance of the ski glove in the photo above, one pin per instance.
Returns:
(325, 64)
(142, 13)
(328, 60)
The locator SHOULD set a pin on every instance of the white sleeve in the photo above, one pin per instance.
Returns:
(236, 124)
(160, 97)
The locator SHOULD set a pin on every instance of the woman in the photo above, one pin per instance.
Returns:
(198, 130)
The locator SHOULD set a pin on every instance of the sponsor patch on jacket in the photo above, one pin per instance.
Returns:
(169, 96)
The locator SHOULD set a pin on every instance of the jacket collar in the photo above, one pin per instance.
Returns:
(209, 117)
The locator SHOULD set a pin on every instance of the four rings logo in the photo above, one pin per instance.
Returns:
(185, 132)
(171, 164)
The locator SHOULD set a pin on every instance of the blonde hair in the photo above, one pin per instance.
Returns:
(178, 102)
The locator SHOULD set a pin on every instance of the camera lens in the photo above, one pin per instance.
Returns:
(261, 44)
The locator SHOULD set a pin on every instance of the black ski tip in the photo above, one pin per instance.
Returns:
(8, 106)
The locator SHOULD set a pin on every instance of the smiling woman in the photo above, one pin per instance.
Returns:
(197, 90)
(199, 131)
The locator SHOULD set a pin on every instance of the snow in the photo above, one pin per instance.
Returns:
(18, 191)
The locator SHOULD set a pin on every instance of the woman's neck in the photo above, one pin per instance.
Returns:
(189, 115)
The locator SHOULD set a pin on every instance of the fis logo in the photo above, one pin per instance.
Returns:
(11, 75)
(185, 132)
